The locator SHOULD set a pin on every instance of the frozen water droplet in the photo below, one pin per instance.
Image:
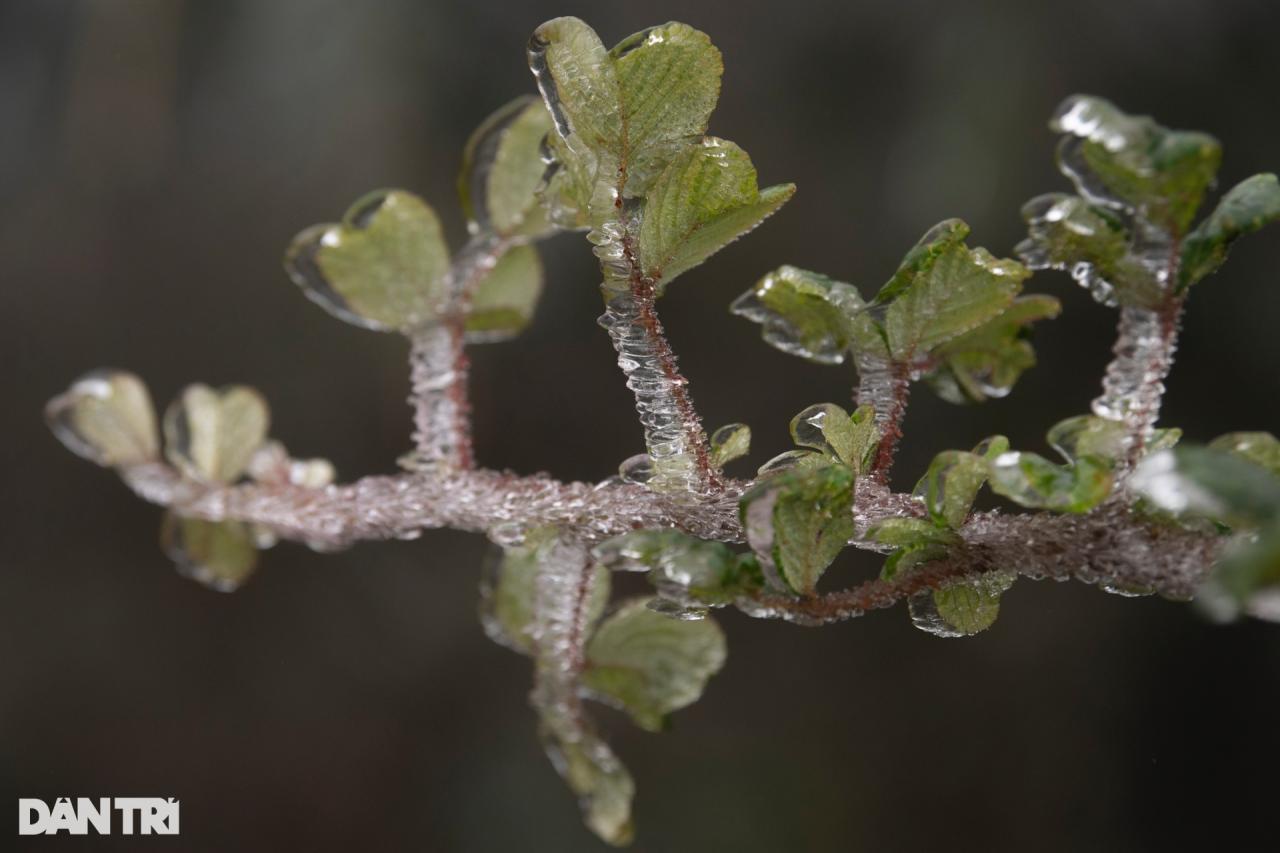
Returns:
(509, 534)
(678, 610)
(925, 616)
(637, 469)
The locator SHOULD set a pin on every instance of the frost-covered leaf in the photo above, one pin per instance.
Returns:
(1246, 579)
(1260, 448)
(905, 532)
(730, 442)
(382, 268)
(272, 465)
(1209, 482)
(506, 298)
(625, 113)
(1090, 435)
(219, 554)
(212, 434)
(806, 314)
(798, 521)
(986, 362)
(107, 417)
(789, 459)
(943, 289)
(680, 566)
(950, 485)
(850, 439)
(1091, 242)
(507, 593)
(1248, 206)
(1132, 163)
(704, 199)
(1033, 481)
(649, 664)
(601, 782)
(961, 609)
(502, 167)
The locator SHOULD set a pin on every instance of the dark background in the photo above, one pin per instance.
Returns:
(155, 159)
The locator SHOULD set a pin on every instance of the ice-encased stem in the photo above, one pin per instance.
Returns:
(1133, 386)
(439, 366)
(674, 437)
(886, 387)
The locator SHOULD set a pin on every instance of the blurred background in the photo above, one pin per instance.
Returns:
(157, 156)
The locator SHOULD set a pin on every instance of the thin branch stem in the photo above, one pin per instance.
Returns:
(886, 387)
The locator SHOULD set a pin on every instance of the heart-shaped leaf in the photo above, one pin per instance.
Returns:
(650, 664)
(107, 418)
(212, 435)
(384, 267)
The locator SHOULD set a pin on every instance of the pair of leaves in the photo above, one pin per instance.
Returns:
(386, 266)
(630, 124)
(949, 313)
(1235, 481)
(831, 436)
(1140, 186)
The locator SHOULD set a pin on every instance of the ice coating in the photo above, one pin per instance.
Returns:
(1134, 382)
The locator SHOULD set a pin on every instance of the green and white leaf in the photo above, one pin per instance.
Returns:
(850, 439)
(1246, 579)
(1212, 483)
(705, 571)
(1260, 448)
(1247, 207)
(212, 434)
(961, 609)
(601, 782)
(950, 486)
(384, 267)
(106, 417)
(986, 362)
(730, 442)
(649, 664)
(807, 314)
(1033, 481)
(502, 168)
(506, 298)
(703, 200)
(218, 554)
(798, 521)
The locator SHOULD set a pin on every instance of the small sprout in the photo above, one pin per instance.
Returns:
(730, 442)
(212, 435)
(798, 522)
(221, 555)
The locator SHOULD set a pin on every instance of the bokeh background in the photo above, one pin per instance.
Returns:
(157, 156)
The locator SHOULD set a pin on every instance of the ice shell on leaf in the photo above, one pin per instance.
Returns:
(803, 313)
(106, 417)
(218, 554)
(384, 267)
(961, 609)
(502, 168)
(1033, 481)
(212, 435)
(730, 442)
(506, 298)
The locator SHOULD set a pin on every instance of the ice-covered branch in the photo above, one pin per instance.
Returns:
(886, 387)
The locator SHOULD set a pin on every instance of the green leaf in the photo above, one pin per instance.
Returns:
(1260, 448)
(806, 314)
(961, 609)
(1250, 204)
(508, 588)
(211, 435)
(908, 532)
(650, 664)
(704, 199)
(1090, 435)
(1247, 579)
(502, 168)
(987, 361)
(682, 567)
(798, 521)
(218, 554)
(625, 113)
(1033, 481)
(383, 268)
(789, 459)
(950, 485)
(506, 298)
(730, 442)
(107, 418)
(944, 289)
(602, 784)
(1209, 482)
(850, 439)
(1092, 243)
(1132, 162)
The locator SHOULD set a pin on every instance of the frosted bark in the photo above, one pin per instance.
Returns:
(1133, 385)
(885, 387)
